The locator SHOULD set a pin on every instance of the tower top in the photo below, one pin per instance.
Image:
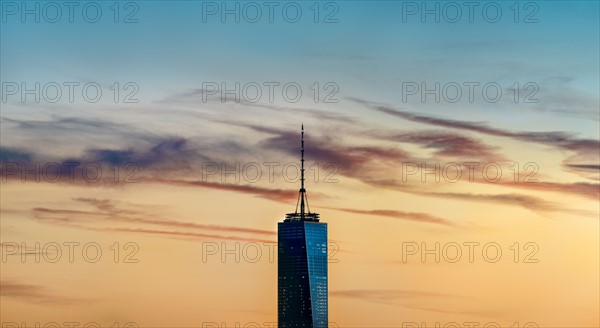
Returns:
(304, 214)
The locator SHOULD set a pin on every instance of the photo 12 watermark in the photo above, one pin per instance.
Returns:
(526, 12)
(254, 92)
(469, 252)
(52, 12)
(252, 252)
(237, 324)
(253, 172)
(270, 12)
(69, 92)
(69, 171)
(471, 92)
(453, 172)
(69, 252)
(68, 324)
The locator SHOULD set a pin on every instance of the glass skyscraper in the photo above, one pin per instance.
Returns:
(302, 265)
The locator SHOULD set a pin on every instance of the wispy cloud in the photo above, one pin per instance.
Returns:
(525, 201)
(412, 299)
(349, 159)
(558, 139)
(193, 235)
(384, 296)
(107, 214)
(196, 97)
(448, 144)
(410, 216)
(280, 195)
(36, 294)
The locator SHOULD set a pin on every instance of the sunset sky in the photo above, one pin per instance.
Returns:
(163, 211)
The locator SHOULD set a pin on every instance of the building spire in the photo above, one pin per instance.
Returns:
(302, 190)
(304, 214)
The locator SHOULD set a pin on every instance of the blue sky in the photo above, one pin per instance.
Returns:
(368, 53)
(171, 42)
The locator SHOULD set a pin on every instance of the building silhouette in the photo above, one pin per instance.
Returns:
(302, 265)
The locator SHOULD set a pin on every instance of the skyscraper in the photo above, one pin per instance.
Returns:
(302, 265)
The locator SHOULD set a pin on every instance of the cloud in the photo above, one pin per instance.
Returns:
(351, 160)
(584, 189)
(169, 155)
(321, 115)
(588, 167)
(525, 201)
(52, 133)
(561, 98)
(108, 212)
(165, 160)
(186, 234)
(589, 171)
(468, 313)
(267, 193)
(411, 299)
(172, 152)
(14, 155)
(200, 96)
(411, 216)
(448, 144)
(35, 294)
(561, 140)
(110, 208)
(383, 296)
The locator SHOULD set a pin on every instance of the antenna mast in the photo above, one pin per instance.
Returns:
(302, 190)
(304, 214)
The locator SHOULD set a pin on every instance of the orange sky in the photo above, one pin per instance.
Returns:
(177, 277)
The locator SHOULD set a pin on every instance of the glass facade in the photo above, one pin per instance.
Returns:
(302, 274)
